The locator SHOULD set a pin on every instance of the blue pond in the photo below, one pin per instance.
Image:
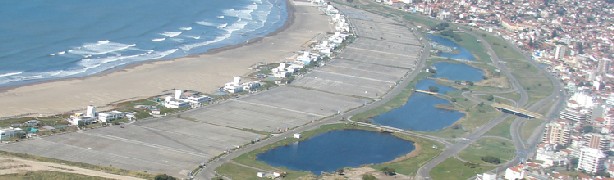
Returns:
(420, 114)
(337, 149)
(463, 54)
(458, 72)
(426, 83)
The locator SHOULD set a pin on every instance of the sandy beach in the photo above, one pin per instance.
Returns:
(204, 73)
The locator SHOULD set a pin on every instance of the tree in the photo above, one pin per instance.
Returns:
(389, 171)
(368, 177)
(164, 177)
(587, 129)
(490, 97)
(491, 159)
(433, 88)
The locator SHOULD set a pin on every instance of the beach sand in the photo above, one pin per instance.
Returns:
(205, 73)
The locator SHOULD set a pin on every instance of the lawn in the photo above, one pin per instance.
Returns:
(56, 175)
(502, 129)
(499, 148)
(234, 171)
(454, 169)
(528, 127)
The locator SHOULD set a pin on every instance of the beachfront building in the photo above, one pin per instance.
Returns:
(8, 133)
(80, 119)
(236, 86)
(110, 116)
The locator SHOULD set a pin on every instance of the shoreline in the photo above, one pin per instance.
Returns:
(289, 21)
(273, 47)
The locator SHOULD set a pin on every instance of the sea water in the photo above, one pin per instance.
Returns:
(47, 40)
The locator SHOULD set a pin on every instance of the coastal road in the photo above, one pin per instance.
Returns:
(208, 171)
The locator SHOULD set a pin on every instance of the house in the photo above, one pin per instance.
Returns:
(515, 172)
(6, 134)
(110, 116)
(31, 123)
(171, 103)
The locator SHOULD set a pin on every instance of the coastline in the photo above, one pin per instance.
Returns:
(289, 21)
(216, 77)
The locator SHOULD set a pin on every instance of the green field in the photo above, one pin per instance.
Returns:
(454, 169)
(502, 149)
(528, 127)
(502, 129)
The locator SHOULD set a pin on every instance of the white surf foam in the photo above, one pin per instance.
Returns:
(185, 28)
(158, 39)
(101, 47)
(205, 23)
(170, 34)
(222, 26)
(10, 74)
(194, 37)
(220, 17)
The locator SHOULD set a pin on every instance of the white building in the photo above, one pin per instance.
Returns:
(515, 172)
(91, 111)
(110, 116)
(486, 176)
(79, 119)
(591, 160)
(6, 134)
(551, 158)
(172, 103)
(234, 86)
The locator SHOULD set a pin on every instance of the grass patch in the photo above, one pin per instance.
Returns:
(112, 170)
(538, 86)
(58, 120)
(454, 169)
(410, 166)
(528, 127)
(49, 175)
(502, 129)
(494, 147)
(234, 171)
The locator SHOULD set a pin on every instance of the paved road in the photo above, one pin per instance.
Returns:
(209, 171)
(424, 171)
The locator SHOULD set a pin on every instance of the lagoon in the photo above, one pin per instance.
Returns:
(458, 72)
(420, 114)
(333, 150)
(463, 53)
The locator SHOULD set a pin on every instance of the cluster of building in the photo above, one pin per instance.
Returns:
(318, 51)
(180, 100)
(91, 116)
(573, 39)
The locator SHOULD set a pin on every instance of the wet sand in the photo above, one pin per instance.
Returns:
(205, 73)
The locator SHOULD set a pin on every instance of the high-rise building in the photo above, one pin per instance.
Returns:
(559, 52)
(596, 141)
(591, 160)
(557, 132)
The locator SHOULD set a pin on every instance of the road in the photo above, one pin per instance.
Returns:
(424, 171)
(208, 172)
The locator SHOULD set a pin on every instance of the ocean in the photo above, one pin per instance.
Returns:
(44, 40)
